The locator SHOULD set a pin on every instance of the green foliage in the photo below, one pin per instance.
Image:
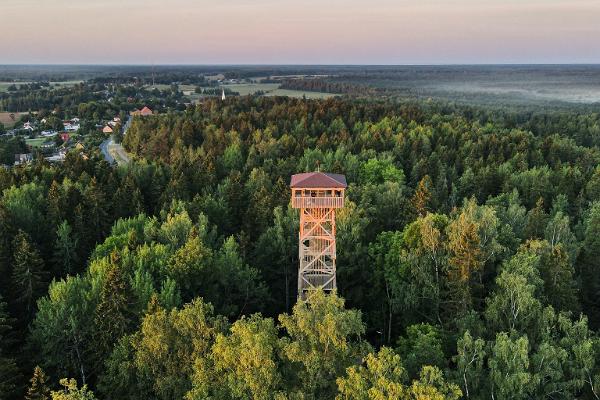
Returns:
(465, 232)
(324, 340)
(470, 362)
(28, 272)
(241, 365)
(72, 392)
(111, 319)
(384, 377)
(509, 363)
(421, 346)
(379, 171)
(170, 343)
(514, 304)
(65, 249)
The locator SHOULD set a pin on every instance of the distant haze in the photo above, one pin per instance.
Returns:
(299, 31)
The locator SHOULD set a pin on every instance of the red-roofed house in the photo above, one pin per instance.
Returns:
(145, 111)
(107, 129)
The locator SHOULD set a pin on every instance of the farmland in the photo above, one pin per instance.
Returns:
(6, 118)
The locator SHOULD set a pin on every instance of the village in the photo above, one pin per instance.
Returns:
(44, 139)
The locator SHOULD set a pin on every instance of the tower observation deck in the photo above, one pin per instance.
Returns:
(317, 195)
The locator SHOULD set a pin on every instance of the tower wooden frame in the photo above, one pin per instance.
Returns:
(317, 196)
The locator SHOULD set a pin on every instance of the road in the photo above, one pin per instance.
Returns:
(104, 150)
(114, 152)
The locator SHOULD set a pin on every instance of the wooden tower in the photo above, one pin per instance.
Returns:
(317, 195)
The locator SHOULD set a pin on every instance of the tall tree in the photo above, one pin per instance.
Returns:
(38, 390)
(28, 272)
(470, 362)
(422, 196)
(383, 377)
(465, 261)
(509, 368)
(324, 339)
(65, 250)
(111, 319)
(243, 365)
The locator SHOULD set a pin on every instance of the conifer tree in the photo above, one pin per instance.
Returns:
(65, 250)
(422, 196)
(37, 389)
(28, 272)
(110, 318)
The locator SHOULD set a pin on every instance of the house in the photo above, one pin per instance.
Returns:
(107, 129)
(143, 112)
(49, 133)
(28, 126)
(23, 158)
(71, 125)
(112, 123)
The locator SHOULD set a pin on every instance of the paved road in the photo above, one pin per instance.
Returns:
(114, 152)
(104, 150)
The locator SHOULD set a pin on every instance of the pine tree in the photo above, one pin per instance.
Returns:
(55, 204)
(65, 250)
(28, 272)
(37, 388)
(110, 317)
(422, 196)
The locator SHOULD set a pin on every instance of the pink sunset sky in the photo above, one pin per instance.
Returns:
(299, 32)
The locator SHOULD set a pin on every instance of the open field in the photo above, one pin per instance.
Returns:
(4, 86)
(300, 93)
(270, 89)
(250, 88)
(37, 142)
(7, 121)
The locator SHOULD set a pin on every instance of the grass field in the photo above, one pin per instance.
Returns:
(4, 86)
(271, 89)
(300, 93)
(37, 142)
(245, 89)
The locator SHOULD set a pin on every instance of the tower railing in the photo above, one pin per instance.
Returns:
(317, 202)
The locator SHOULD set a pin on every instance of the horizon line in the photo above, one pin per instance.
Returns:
(291, 65)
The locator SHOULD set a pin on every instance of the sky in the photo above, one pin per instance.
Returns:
(299, 31)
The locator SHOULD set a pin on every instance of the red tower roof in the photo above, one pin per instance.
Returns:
(318, 180)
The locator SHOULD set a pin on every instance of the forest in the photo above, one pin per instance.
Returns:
(467, 257)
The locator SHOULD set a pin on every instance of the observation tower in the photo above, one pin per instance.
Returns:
(317, 195)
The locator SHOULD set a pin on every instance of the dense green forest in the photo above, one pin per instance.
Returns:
(468, 253)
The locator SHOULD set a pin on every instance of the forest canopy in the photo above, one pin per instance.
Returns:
(467, 257)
